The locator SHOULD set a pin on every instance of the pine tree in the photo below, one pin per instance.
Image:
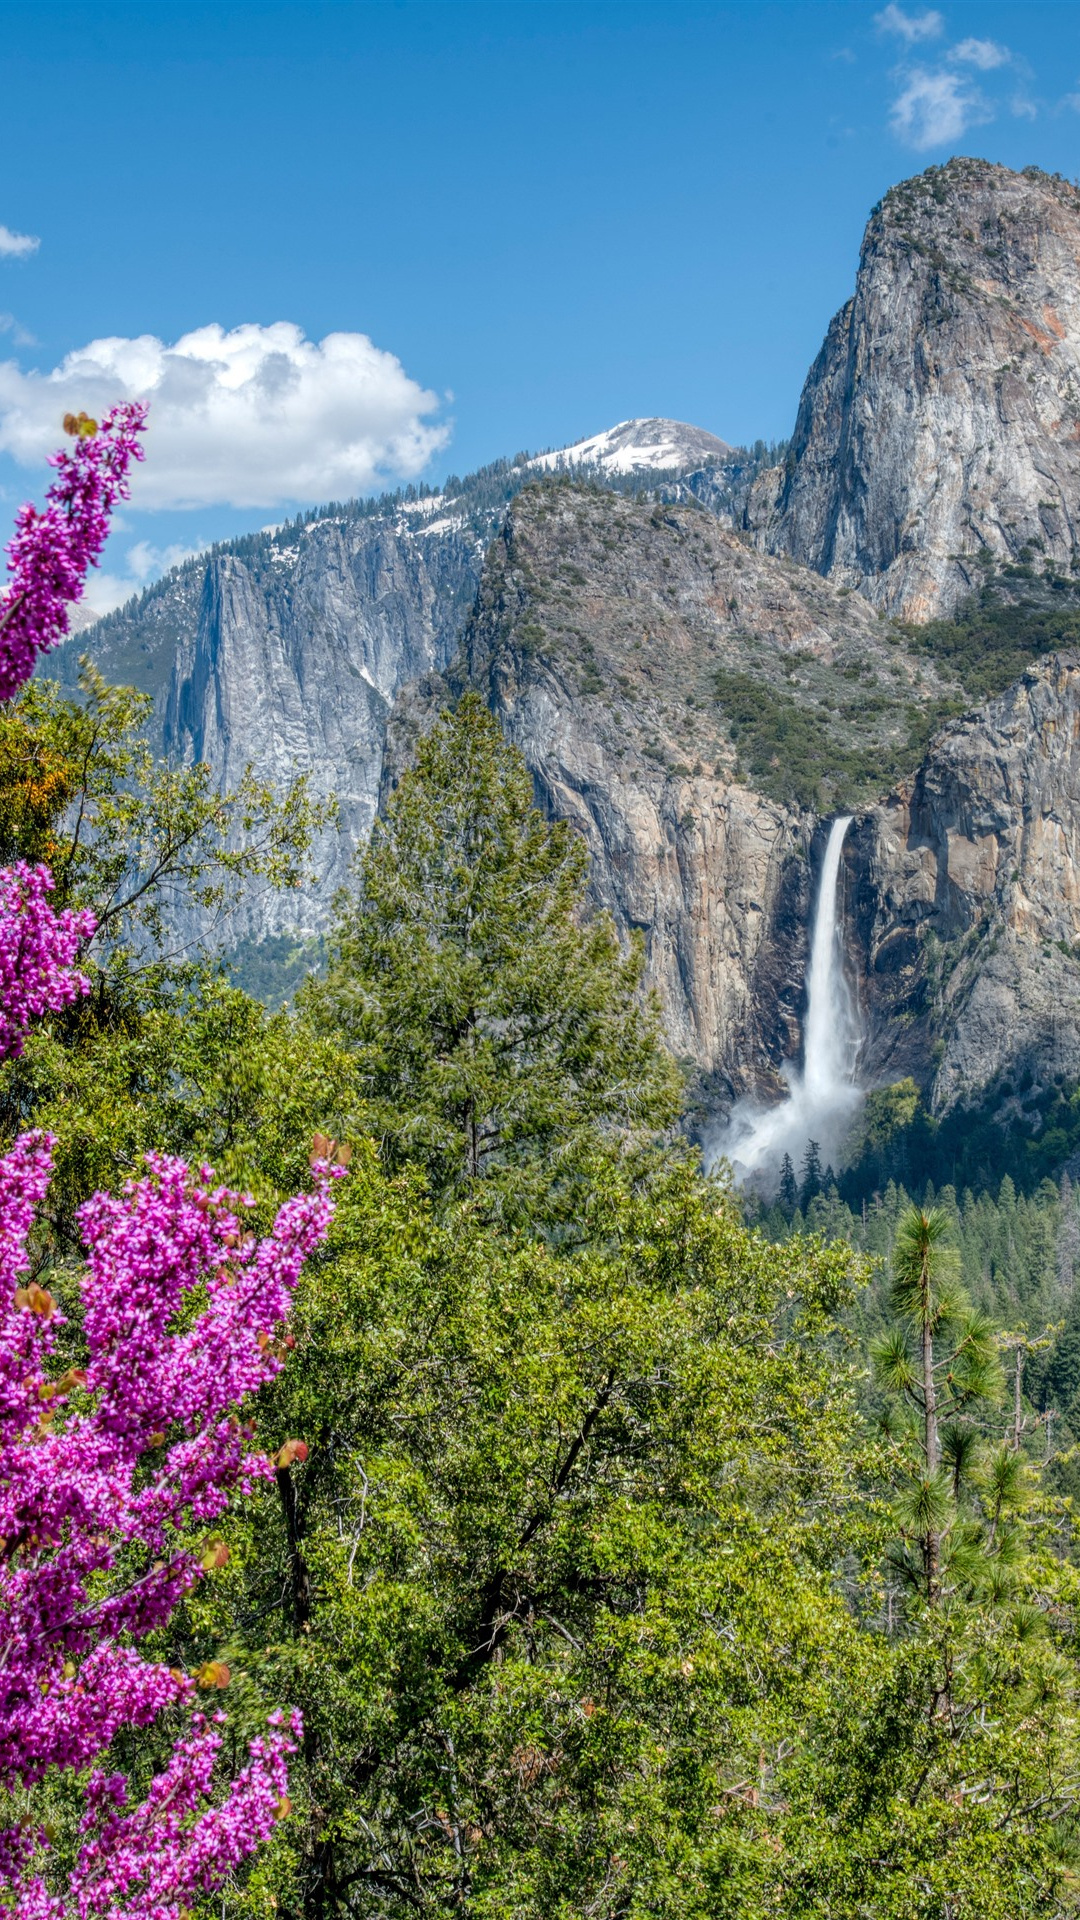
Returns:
(811, 1174)
(787, 1192)
(941, 1361)
(500, 1030)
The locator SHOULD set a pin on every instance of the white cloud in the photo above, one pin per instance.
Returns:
(254, 417)
(9, 324)
(984, 54)
(934, 109)
(144, 562)
(909, 27)
(16, 246)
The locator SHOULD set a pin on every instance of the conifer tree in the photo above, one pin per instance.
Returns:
(941, 1361)
(787, 1192)
(499, 1028)
(811, 1174)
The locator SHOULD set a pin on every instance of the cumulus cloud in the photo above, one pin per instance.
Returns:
(934, 109)
(16, 246)
(142, 563)
(984, 54)
(909, 27)
(254, 417)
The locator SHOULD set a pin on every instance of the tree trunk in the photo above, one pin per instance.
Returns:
(1018, 1399)
(299, 1578)
(932, 1544)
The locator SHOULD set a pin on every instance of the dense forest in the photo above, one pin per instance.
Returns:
(626, 1556)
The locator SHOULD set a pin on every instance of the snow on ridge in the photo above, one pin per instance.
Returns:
(637, 445)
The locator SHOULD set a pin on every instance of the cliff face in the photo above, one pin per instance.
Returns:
(942, 415)
(965, 904)
(283, 650)
(700, 700)
(293, 664)
(609, 636)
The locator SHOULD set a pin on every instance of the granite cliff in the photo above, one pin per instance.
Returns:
(941, 418)
(284, 650)
(617, 639)
(636, 652)
(964, 899)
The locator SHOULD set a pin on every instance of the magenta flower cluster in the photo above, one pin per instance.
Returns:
(108, 1467)
(102, 1468)
(49, 557)
(37, 953)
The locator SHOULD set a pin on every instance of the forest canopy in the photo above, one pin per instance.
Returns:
(611, 1555)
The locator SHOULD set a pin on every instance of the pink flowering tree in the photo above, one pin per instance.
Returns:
(111, 1467)
(51, 553)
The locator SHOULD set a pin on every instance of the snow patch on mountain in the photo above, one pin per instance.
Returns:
(636, 446)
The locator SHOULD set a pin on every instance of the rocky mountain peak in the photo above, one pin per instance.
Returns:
(939, 427)
(639, 446)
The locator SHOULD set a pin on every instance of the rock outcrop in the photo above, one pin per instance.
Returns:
(965, 903)
(607, 635)
(298, 653)
(941, 418)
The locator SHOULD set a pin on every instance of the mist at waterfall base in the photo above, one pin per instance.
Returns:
(823, 1097)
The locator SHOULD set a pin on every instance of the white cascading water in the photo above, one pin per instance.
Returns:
(823, 1097)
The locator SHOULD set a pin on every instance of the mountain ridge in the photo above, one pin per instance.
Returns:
(703, 663)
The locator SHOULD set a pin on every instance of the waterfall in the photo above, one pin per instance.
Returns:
(822, 1097)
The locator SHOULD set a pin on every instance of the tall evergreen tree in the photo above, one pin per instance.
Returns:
(810, 1183)
(498, 1026)
(941, 1360)
(787, 1192)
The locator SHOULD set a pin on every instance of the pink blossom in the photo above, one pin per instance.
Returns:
(144, 1440)
(37, 952)
(139, 1443)
(51, 551)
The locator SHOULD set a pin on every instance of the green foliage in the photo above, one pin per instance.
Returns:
(996, 635)
(972, 1146)
(804, 756)
(272, 969)
(496, 1028)
(554, 1583)
(591, 1584)
(162, 1052)
(938, 1363)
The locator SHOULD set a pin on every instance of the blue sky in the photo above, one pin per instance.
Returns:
(542, 217)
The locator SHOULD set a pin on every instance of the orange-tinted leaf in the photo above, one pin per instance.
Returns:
(213, 1673)
(292, 1450)
(284, 1807)
(80, 426)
